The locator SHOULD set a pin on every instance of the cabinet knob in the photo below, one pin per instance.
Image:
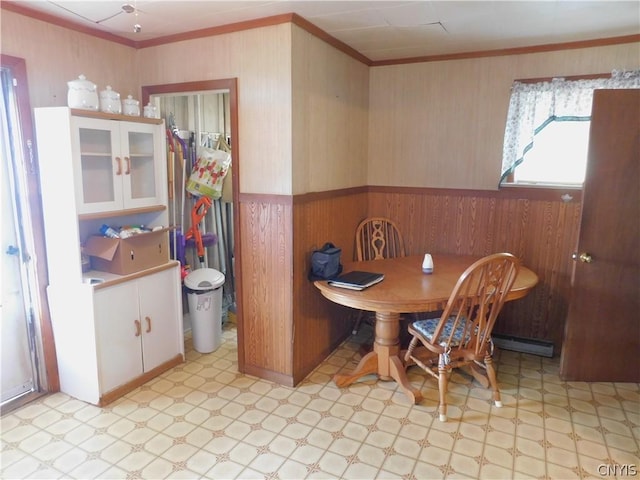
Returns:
(127, 161)
(148, 319)
(119, 169)
(138, 328)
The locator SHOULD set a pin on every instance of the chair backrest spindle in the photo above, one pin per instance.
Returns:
(478, 297)
(378, 238)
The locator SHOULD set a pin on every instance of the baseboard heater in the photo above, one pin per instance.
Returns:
(543, 348)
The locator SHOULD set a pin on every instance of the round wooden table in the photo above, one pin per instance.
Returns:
(405, 289)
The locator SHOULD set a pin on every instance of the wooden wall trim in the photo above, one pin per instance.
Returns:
(267, 198)
(45, 17)
(506, 192)
(564, 77)
(188, 87)
(598, 42)
(327, 195)
(334, 42)
(300, 199)
(313, 30)
(551, 194)
(218, 30)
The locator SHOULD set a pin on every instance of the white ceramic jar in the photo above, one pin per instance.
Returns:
(82, 94)
(110, 101)
(150, 111)
(131, 106)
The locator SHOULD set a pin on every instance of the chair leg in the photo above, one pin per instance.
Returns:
(410, 348)
(493, 380)
(356, 325)
(442, 387)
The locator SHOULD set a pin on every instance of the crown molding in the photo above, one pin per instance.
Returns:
(313, 30)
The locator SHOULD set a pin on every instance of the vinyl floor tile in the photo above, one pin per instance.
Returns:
(203, 419)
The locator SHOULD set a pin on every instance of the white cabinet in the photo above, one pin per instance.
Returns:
(117, 164)
(136, 329)
(97, 168)
(118, 333)
(113, 337)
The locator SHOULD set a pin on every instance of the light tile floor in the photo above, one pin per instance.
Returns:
(203, 419)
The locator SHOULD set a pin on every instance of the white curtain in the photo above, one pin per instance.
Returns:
(534, 105)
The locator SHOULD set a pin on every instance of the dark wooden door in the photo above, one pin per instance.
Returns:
(602, 336)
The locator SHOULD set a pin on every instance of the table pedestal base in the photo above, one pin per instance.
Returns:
(385, 359)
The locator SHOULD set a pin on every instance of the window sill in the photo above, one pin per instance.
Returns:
(545, 192)
(557, 186)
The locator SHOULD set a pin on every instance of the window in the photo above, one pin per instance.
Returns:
(547, 131)
(558, 156)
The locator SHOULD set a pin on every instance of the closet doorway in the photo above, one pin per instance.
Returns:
(198, 116)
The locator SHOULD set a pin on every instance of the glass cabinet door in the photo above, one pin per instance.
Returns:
(98, 166)
(117, 164)
(140, 182)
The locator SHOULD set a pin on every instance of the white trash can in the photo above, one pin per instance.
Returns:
(204, 297)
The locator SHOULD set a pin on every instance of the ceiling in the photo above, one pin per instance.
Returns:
(379, 30)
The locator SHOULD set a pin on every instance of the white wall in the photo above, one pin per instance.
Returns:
(55, 55)
(312, 118)
(330, 116)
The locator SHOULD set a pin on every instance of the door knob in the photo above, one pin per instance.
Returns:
(584, 257)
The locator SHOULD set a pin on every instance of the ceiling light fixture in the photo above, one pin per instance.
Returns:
(128, 8)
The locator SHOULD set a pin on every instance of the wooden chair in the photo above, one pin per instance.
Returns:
(462, 335)
(377, 238)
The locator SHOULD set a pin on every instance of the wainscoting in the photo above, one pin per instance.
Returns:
(289, 328)
(534, 224)
(266, 326)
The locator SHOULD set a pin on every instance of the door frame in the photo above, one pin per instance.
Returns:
(50, 380)
(206, 86)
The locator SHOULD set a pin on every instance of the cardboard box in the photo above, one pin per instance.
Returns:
(123, 256)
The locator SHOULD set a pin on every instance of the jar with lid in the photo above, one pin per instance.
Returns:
(131, 106)
(82, 94)
(110, 101)
(150, 111)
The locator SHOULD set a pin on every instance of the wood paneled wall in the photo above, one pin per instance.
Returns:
(290, 328)
(267, 297)
(319, 325)
(534, 224)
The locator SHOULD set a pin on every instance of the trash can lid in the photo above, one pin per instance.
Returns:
(204, 279)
